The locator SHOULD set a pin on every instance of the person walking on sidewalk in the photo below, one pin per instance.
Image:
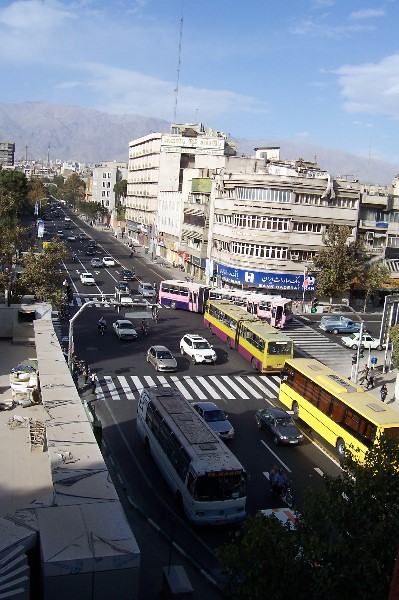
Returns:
(93, 382)
(370, 380)
(383, 392)
(364, 374)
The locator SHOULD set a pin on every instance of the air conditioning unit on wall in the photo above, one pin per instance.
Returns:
(294, 256)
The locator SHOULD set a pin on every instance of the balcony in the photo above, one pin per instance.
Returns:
(374, 200)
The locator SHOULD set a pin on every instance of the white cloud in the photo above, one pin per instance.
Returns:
(123, 91)
(34, 15)
(372, 88)
(319, 28)
(302, 134)
(368, 13)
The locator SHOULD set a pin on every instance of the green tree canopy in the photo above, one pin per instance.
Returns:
(345, 545)
(373, 276)
(14, 187)
(73, 190)
(42, 272)
(339, 263)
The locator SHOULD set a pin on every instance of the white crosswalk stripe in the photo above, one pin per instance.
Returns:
(201, 387)
(315, 344)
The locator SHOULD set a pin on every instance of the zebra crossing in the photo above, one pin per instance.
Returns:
(315, 344)
(193, 388)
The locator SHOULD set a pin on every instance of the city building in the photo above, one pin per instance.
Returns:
(104, 178)
(7, 152)
(157, 166)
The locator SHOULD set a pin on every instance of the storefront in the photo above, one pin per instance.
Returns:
(293, 286)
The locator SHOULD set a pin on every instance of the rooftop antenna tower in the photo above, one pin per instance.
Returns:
(26, 153)
(48, 155)
(176, 90)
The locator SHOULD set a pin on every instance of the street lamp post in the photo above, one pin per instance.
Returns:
(72, 322)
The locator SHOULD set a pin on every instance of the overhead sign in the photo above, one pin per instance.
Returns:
(276, 281)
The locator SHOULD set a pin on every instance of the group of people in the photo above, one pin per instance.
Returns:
(367, 375)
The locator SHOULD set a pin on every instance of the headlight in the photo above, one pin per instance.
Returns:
(284, 437)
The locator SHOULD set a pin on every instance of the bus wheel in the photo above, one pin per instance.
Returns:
(340, 445)
(253, 363)
(147, 446)
(173, 305)
(295, 409)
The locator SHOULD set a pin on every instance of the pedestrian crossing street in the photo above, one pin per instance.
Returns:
(196, 388)
(315, 344)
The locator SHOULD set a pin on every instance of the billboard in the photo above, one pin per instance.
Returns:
(265, 280)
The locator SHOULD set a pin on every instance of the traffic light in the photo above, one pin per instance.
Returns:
(361, 352)
(354, 359)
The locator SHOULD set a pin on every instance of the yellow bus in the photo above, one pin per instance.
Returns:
(263, 346)
(341, 412)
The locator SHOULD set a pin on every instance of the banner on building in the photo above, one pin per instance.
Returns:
(264, 280)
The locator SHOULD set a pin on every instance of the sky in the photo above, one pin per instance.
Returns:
(323, 72)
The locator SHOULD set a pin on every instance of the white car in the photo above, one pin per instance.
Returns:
(368, 341)
(124, 329)
(198, 348)
(108, 261)
(67, 219)
(87, 279)
(147, 290)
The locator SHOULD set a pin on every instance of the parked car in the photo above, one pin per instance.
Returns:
(198, 348)
(368, 341)
(127, 275)
(279, 424)
(96, 262)
(339, 325)
(108, 261)
(87, 279)
(124, 329)
(216, 419)
(147, 290)
(161, 358)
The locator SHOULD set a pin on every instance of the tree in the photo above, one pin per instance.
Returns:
(36, 194)
(42, 274)
(264, 562)
(73, 190)
(346, 540)
(339, 264)
(14, 186)
(374, 275)
(394, 338)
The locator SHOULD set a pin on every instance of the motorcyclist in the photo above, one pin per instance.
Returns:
(280, 482)
(144, 326)
(102, 323)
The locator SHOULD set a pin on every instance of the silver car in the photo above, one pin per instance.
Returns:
(216, 419)
(161, 358)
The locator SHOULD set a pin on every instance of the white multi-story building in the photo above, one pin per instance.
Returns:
(155, 190)
(104, 178)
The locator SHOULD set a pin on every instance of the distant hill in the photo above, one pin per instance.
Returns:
(92, 136)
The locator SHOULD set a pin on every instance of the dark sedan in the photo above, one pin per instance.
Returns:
(127, 275)
(279, 424)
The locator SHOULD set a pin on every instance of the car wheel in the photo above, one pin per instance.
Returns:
(258, 423)
(340, 445)
(379, 347)
(275, 440)
(354, 347)
(182, 351)
(173, 305)
(335, 331)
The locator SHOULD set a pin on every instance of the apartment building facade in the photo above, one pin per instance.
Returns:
(7, 153)
(157, 185)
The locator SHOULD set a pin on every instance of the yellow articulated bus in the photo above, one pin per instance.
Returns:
(341, 412)
(263, 346)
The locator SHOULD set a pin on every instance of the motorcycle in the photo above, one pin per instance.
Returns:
(144, 329)
(283, 492)
(101, 328)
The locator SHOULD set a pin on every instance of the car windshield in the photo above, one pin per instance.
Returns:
(147, 287)
(127, 273)
(284, 422)
(201, 345)
(164, 354)
(126, 326)
(212, 416)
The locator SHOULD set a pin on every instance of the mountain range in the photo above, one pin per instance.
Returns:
(72, 133)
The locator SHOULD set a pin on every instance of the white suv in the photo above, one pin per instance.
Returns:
(198, 348)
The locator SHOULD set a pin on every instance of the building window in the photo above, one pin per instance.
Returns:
(306, 227)
(263, 195)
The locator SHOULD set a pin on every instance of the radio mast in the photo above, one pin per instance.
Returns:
(176, 90)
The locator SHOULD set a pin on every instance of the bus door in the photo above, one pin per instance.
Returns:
(203, 295)
(278, 315)
(193, 300)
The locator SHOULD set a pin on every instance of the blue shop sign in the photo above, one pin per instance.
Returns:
(269, 281)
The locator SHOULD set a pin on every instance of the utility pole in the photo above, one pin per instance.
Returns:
(72, 322)
(359, 354)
